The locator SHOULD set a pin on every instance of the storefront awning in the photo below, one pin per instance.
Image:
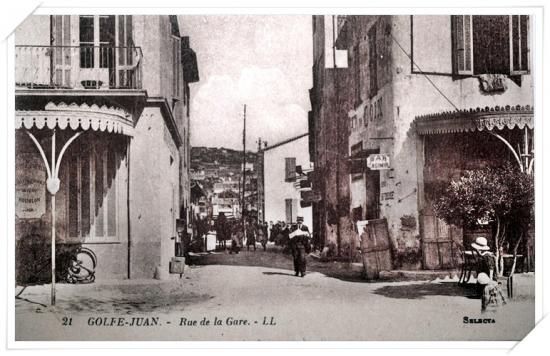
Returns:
(478, 119)
(76, 117)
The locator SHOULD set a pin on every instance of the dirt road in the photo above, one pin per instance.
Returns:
(231, 301)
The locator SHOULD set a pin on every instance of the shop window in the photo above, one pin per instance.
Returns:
(491, 44)
(92, 195)
(290, 169)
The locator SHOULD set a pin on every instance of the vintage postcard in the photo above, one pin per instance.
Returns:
(256, 177)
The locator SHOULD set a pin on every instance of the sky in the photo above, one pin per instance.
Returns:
(261, 61)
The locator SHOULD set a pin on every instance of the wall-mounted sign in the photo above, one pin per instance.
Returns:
(30, 187)
(378, 161)
(310, 196)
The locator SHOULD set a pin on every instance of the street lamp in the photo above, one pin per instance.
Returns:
(52, 184)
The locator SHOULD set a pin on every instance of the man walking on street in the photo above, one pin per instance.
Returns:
(250, 236)
(300, 247)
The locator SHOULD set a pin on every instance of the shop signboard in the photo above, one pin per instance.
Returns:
(310, 196)
(378, 162)
(30, 183)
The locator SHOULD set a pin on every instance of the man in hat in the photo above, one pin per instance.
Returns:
(300, 246)
(486, 259)
(485, 265)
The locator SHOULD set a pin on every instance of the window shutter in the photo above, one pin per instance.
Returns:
(462, 34)
(519, 44)
(373, 61)
(290, 169)
(288, 210)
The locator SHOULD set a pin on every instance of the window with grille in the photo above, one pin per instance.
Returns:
(86, 30)
(491, 44)
(103, 39)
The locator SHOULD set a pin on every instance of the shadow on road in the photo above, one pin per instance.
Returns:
(419, 291)
(278, 274)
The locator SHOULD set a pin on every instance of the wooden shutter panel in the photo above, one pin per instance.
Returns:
(61, 40)
(290, 169)
(519, 44)
(462, 36)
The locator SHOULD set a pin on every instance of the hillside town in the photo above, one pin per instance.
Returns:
(400, 188)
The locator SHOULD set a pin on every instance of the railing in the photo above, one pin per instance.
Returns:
(78, 67)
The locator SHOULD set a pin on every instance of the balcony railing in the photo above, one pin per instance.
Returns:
(78, 67)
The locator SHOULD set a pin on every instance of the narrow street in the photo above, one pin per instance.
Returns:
(257, 288)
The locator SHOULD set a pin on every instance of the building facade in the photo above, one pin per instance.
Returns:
(434, 96)
(106, 100)
(288, 166)
(328, 135)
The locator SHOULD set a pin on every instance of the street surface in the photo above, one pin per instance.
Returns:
(255, 296)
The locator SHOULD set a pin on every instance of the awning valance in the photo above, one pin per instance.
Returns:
(477, 119)
(76, 117)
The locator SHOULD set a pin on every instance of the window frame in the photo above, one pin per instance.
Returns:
(76, 164)
(471, 72)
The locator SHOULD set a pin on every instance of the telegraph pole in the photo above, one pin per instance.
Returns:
(259, 180)
(244, 171)
(337, 90)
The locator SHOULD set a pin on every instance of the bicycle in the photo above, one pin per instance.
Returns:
(82, 266)
(74, 263)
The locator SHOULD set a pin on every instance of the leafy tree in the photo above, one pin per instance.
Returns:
(502, 196)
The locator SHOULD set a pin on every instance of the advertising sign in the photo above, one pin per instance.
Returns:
(378, 162)
(30, 187)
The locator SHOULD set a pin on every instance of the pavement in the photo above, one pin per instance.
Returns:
(255, 296)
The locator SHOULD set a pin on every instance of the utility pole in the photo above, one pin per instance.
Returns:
(244, 171)
(259, 180)
(336, 90)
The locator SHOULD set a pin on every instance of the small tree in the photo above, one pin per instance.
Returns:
(502, 196)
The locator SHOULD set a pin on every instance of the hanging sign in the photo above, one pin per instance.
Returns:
(378, 162)
(310, 196)
(30, 191)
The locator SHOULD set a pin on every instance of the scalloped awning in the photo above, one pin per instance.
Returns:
(77, 117)
(478, 119)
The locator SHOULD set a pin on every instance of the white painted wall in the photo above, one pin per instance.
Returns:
(276, 189)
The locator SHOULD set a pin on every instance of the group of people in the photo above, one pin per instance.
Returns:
(233, 230)
(294, 238)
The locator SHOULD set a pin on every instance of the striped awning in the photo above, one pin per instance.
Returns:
(76, 117)
(478, 119)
